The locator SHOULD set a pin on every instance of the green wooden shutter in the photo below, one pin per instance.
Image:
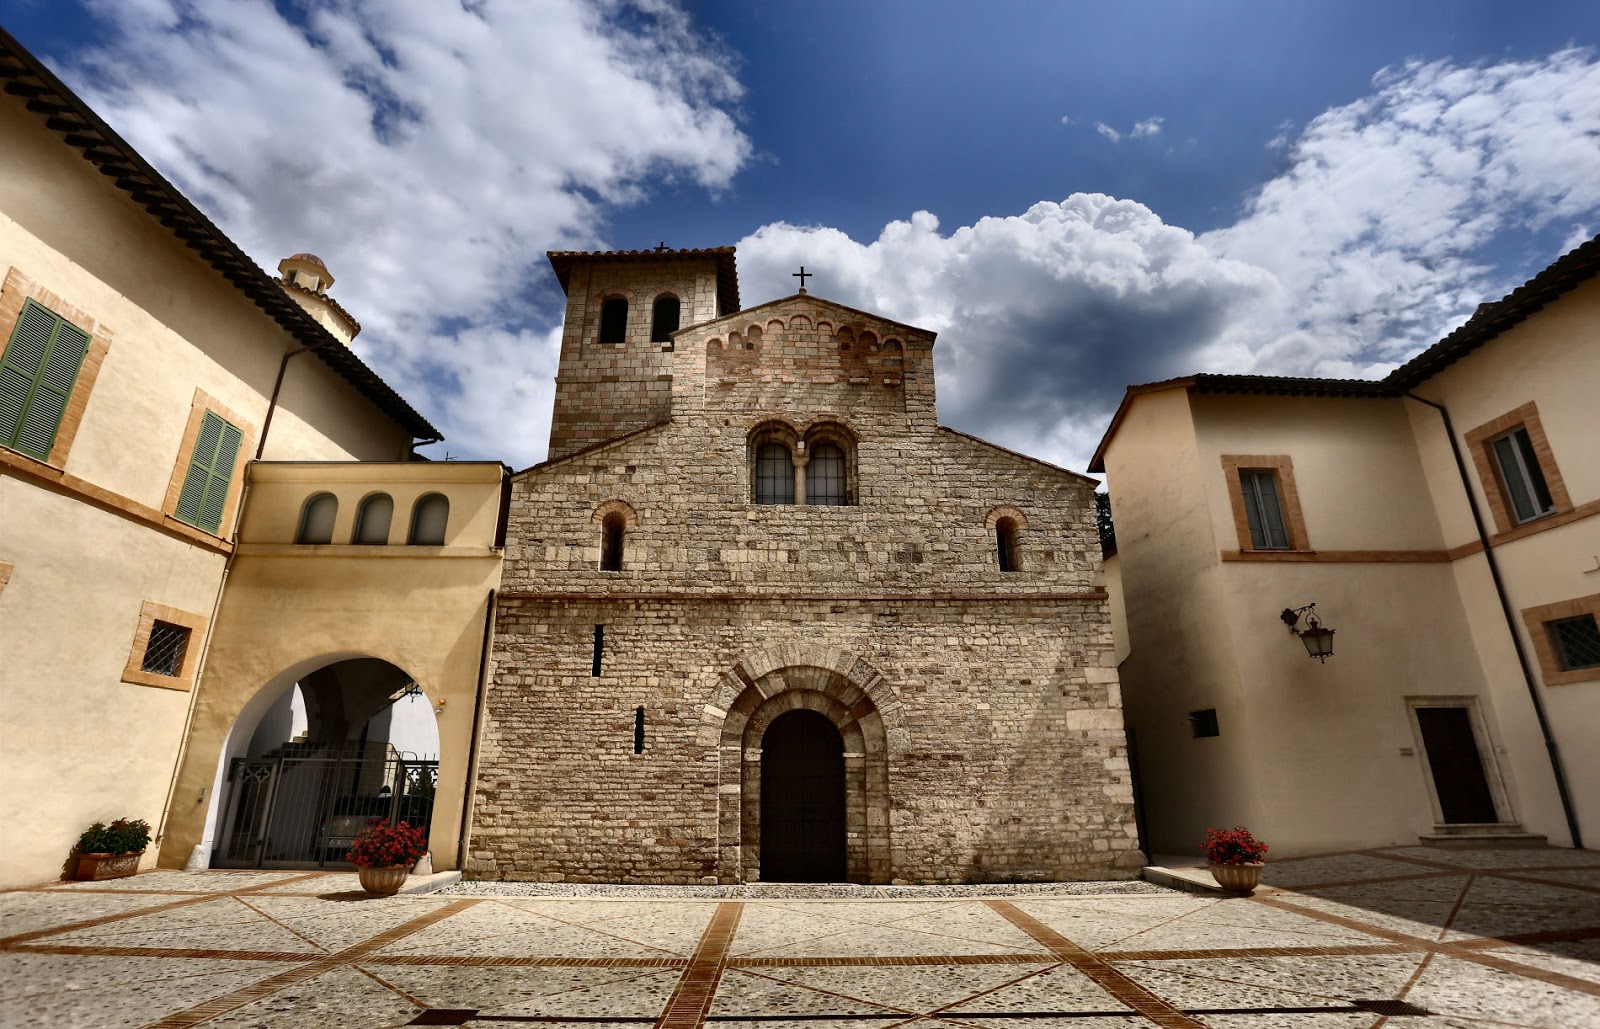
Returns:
(205, 487)
(37, 373)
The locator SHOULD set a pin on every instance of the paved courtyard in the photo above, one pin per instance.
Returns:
(1408, 938)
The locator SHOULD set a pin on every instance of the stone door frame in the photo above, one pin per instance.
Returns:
(847, 691)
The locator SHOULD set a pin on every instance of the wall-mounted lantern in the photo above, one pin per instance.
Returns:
(1317, 637)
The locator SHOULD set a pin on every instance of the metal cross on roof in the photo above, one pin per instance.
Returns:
(802, 275)
(661, 246)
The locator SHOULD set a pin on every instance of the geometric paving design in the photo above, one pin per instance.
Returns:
(1406, 938)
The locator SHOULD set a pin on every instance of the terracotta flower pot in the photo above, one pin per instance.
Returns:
(385, 881)
(1238, 878)
(94, 867)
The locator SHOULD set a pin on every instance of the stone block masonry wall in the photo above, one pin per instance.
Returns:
(1006, 758)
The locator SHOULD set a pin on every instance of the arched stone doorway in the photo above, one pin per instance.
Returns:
(855, 699)
(802, 800)
(317, 755)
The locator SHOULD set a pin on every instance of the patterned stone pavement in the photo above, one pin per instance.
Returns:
(1410, 938)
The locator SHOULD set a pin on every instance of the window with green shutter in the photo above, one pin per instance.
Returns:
(205, 487)
(37, 372)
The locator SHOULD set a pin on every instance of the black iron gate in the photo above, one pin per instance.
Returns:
(301, 805)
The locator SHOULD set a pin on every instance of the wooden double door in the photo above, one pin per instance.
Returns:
(802, 800)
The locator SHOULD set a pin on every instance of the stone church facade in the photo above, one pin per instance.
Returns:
(762, 617)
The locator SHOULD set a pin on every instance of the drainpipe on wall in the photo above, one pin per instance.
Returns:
(477, 727)
(1511, 624)
(272, 404)
(200, 663)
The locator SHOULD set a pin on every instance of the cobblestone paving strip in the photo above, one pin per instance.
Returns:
(1456, 950)
(189, 899)
(266, 987)
(1106, 977)
(691, 1001)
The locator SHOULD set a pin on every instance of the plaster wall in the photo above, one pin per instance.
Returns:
(1551, 359)
(1181, 656)
(290, 610)
(82, 745)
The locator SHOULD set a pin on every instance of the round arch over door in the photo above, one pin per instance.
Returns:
(802, 799)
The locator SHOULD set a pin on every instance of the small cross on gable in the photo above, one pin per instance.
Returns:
(802, 275)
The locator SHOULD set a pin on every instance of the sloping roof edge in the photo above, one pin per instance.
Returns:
(821, 300)
(64, 113)
(970, 438)
(591, 448)
(1563, 275)
(1258, 385)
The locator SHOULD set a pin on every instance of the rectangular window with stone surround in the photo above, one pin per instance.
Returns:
(1517, 469)
(1265, 502)
(1566, 639)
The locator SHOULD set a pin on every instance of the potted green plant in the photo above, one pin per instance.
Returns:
(1235, 858)
(111, 851)
(383, 855)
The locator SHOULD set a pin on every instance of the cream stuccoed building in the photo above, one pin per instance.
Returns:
(1445, 522)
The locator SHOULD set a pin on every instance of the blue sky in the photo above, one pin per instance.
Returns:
(1074, 196)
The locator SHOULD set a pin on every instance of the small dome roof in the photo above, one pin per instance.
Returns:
(312, 258)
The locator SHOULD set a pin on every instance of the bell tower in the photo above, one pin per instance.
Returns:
(615, 374)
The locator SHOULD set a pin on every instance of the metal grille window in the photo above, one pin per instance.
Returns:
(1576, 642)
(163, 654)
(1521, 476)
(774, 474)
(1262, 509)
(825, 476)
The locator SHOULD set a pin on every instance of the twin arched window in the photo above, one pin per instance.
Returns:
(664, 319)
(429, 517)
(817, 471)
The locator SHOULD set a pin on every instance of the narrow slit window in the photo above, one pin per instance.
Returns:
(1263, 510)
(1521, 476)
(664, 319)
(1005, 544)
(638, 730)
(613, 320)
(611, 540)
(599, 650)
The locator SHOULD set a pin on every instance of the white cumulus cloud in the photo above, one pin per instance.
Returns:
(1148, 127)
(430, 153)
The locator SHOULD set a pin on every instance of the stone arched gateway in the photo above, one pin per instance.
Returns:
(850, 693)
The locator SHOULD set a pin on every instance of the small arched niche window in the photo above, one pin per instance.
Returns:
(372, 520)
(316, 520)
(1008, 524)
(613, 320)
(429, 517)
(614, 518)
(1005, 544)
(664, 318)
(612, 532)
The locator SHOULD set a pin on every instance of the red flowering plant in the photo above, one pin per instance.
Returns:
(1233, 846)
(384, 845)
